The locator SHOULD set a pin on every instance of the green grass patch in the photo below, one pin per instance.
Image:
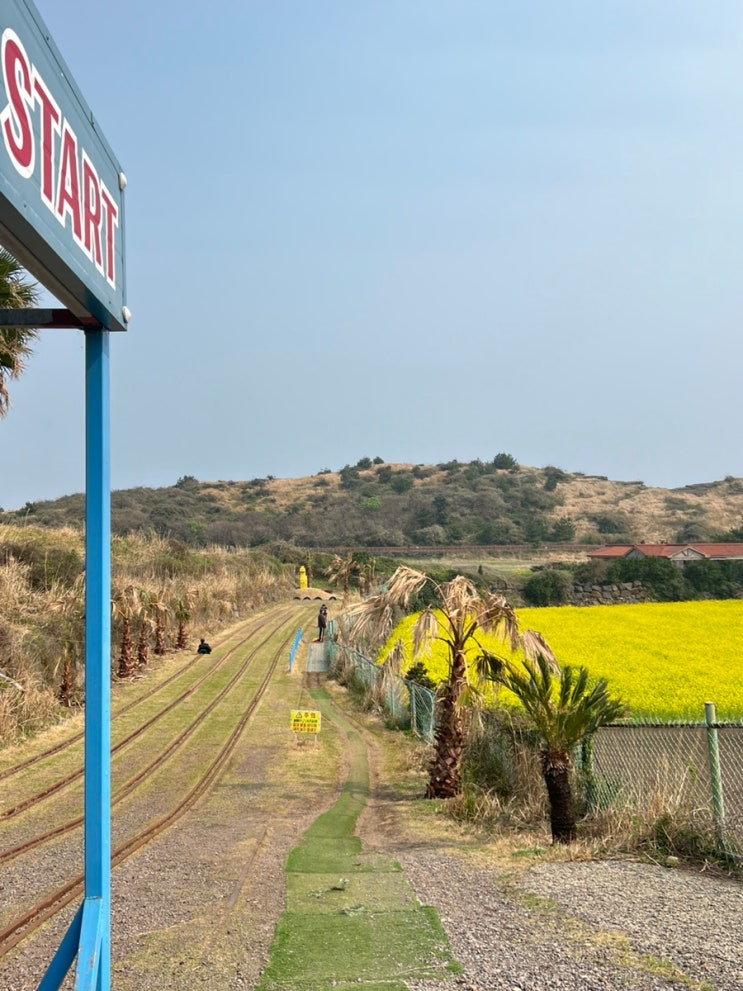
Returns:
(317, 949)
(351, 921)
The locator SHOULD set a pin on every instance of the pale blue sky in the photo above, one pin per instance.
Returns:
(418, 229)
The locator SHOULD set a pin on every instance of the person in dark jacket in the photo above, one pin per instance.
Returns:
(322, 622)
(203, 647)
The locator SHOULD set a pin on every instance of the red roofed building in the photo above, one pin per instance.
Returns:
(677, 553)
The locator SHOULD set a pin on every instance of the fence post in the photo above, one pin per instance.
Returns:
(713, 752)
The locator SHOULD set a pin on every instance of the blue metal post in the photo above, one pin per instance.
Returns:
(89, 934)
(94, 956)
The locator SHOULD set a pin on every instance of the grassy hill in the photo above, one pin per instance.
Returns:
(374, 504)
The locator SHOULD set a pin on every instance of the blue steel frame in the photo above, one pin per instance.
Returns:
(89, 935)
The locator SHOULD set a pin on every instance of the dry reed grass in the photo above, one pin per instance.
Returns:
(26, 705)
(155, 582)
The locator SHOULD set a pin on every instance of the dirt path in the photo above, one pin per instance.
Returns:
(198, 909)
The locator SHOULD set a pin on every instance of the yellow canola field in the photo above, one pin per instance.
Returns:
(665, 660)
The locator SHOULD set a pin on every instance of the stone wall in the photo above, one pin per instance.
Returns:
(609, 595)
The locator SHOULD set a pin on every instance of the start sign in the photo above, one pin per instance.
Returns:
(61, 189)
(305, 721)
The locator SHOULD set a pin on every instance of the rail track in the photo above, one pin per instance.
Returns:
(67, 779)
(66, 744)
(141, 776)
(245, 683)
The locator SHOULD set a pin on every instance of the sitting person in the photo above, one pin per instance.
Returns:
(203, 647)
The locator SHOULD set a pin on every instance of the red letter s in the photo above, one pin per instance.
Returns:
(15, 119)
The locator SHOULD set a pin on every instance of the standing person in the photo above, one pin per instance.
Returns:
(322, 622)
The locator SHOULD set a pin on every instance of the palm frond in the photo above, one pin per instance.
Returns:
(15, 343)
(372, 619)
(559, 704)
(426, 630)
(395, 659)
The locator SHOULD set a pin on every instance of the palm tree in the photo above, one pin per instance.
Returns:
(15, 343)
(159, 605)
(340, 570)
(564, 712)
(182, 611)
(366, 566)
(145, 623)
(462, 614)
(67, 615)
(126, 606)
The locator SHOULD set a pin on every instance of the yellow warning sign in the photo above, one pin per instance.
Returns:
(305, 721)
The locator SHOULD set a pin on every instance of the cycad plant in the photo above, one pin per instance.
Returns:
(564, 711)
(461, 616)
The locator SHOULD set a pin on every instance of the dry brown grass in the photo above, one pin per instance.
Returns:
(656, 515)
(26, 709)
(284, 492)
(42, 628)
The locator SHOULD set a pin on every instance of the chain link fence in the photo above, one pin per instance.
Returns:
(407, 704)
(690, 771)
(694, 771)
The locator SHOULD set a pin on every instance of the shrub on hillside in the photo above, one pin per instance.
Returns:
(552, 476)
(505, 461)
(549, 587)
(402, 481)
(616, 525)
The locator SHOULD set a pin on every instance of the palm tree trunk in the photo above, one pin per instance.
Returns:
(562, 804)
(445, 774)
(65, 689)
(126, 658)
(159, 636)
(180, 643)
(142, 653)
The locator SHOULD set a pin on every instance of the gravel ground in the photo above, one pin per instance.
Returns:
(614, 925)
(607, 925)
(197, 909)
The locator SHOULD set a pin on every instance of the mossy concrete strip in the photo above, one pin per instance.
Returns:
(351, 921)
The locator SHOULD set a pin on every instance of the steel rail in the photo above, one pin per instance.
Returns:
(68, 779)
(31, 920)
(129, 786)
(57, 748)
